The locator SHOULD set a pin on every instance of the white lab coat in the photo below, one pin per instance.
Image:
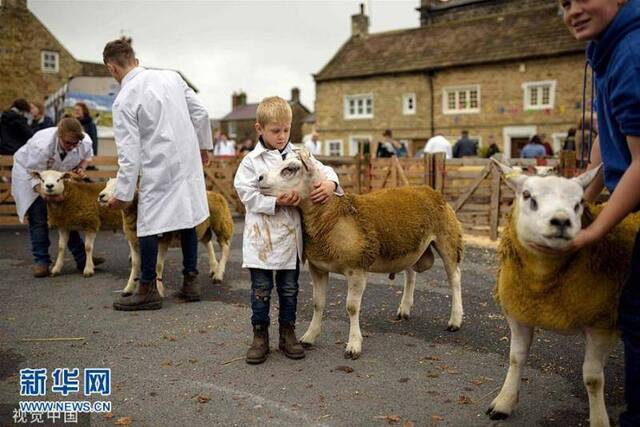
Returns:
(272, 238)
(160, 126)
(225, 148)
(439, 144)
(42, 152)
(313, 147)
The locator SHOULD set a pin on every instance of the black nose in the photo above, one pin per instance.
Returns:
(560, 223)
(49, 186)
(260, 178)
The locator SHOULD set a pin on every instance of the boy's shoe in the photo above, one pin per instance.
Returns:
(190, 288)
(289, 344)
(259, 349)
(147, 298)
(40, 270)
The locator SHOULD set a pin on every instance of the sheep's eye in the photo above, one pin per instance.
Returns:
(526, 195)
(578, 205)
(534, 204)
(289, 171)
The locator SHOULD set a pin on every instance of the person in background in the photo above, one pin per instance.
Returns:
(40, 120)
(547, 146)
(465, 147)
(533, 149)
(388, 147)
(81, 112)
(15, 129)
(224, 146)
(246, 147)
(570, 141)
(313, 145)
(493, 148)
(439, 144)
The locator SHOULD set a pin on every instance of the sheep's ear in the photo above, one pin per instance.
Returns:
(305, 158)
(35, 174)
(66, 175)
(587, 177)
(513, 177)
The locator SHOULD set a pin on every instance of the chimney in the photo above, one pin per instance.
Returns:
(16, 4)
(295, 94)
(360, 24)
(238, 99)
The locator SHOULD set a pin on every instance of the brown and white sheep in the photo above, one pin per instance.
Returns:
(386, 231)
(575, 293)
(78, 211)
(220, 223)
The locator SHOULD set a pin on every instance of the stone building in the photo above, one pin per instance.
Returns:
(239, 124)
(502, 68)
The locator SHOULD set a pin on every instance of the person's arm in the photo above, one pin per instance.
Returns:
(624, 200)
(127, 137)
(597, 185)
(24, 130)
(199, 117)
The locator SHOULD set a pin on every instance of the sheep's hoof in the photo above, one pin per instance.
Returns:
(496, 415)
(353, 355)
(88, 273)
(453, 328)
(306, 344)
(54, 273)
(126, 294)
(216, 280)
(402, 316)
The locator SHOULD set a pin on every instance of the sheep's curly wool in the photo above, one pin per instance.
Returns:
(575, 291)
(389, 224)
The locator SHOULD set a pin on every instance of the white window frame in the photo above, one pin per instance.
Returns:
(328, 147)
(526, 89)
(364, 97)
(55, 57)
(457, 90)
(558, 139)
(406, 110)
(353, 147)
(232, 129)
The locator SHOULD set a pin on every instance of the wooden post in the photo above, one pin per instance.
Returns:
(366, 173)
(427, 169)
(438, 171)
(567, 163)
(359, 173)
(494, 212)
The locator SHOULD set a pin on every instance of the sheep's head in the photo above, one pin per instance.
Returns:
(549, 208)
(108, 192)
(297, 173)
(51, 182)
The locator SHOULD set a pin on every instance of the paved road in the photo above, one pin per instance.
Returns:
(182, 365)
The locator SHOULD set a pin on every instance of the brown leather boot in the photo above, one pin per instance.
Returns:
(147, 298)
(40, 270)
(289, 344)
(190, 288)
(259, 349)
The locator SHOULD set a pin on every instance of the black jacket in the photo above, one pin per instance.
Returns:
(90, 129)
(14, 132)
(45, 123)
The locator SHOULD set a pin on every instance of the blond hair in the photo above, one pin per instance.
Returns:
(273, 110)
(70, 126)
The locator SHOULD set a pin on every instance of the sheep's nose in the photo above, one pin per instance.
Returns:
(49, 186)
(260, 178)
(560, 223)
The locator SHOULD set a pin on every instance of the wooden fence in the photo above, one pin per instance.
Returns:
(472, 186)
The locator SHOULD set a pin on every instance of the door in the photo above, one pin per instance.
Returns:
(517, 143)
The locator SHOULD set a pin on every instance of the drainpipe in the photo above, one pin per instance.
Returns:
(430, 75)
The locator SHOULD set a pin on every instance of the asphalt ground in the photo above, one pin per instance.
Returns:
(183, 365)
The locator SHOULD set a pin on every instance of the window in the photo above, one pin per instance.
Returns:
(334, 147)
(358, 107)
(539, 95)
(409, 103)
(49, 61)
(231, 127)
(355, 141)
(461, 100)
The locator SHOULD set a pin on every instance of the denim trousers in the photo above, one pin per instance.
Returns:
(149, 254)
(287, 287)
(629, 324)
(39, 234)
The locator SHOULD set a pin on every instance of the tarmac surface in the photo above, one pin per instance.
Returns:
(184, 365)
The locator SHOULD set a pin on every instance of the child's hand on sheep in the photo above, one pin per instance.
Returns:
(323, 190)
(288, 199)
(116, 203)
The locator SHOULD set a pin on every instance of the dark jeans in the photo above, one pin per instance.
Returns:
(261, 286)
(629, 323)
(39, 233)
(149, 254)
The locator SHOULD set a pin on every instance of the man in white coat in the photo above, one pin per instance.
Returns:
(163, 138)
(313, 144)
(62, 148)
(439, 144)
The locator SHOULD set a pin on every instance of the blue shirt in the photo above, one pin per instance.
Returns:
(531, 151)
(615, 59)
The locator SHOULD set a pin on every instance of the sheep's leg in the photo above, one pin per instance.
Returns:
(521, 337)
(599, 343)
(319, 280)
(453, 274)
(89, 239)
(163, 247)
(222, 265)
(407, 295)
(213, 263)
(357, 281)
(63, 237)
(134, 252)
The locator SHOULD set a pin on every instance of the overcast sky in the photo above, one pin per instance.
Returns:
(262, 47)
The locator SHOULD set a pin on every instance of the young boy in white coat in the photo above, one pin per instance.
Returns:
(163, 138)
(62, 148)
(272, 241)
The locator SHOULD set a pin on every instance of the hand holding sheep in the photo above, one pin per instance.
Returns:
(322, 191)
(288, 199)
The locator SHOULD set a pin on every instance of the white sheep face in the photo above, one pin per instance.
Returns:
(297, 173)
(52, 182)
(549, 208)
(108, 192)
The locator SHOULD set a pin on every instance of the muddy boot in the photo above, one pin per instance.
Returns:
(259, 349)
(40, 270)
(289, 344)
(190, 288)
(147, 298)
